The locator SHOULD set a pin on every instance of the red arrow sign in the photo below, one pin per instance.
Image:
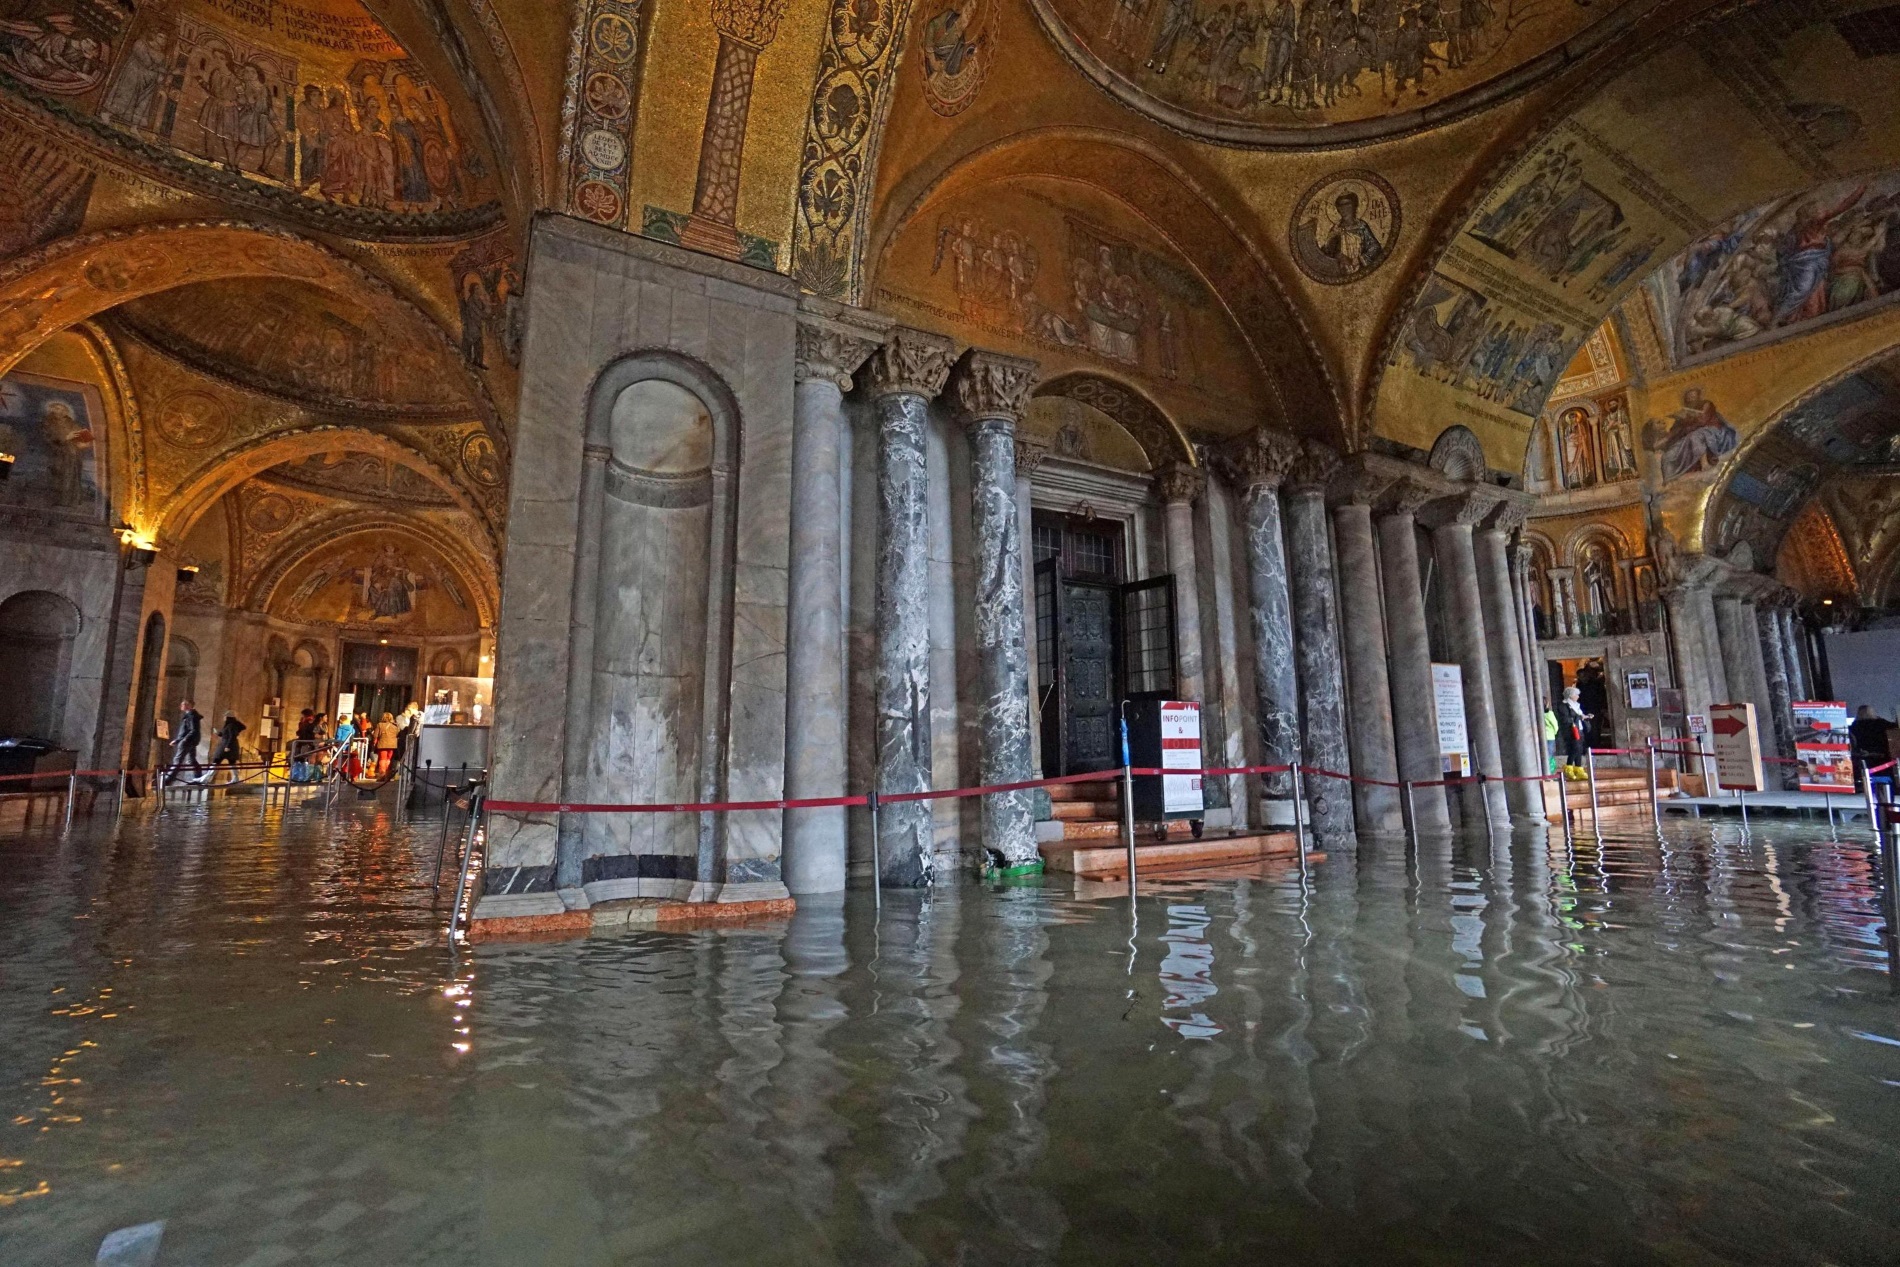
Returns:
(1726, 724)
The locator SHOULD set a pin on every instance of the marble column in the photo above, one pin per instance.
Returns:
(1774, 659)
(1409, 654)
(1741, 659)
(1692, 631)
(1316, 639)
(1362, 636)
(905, 374)
(1030, 451)
(1794, 644)
(1520, 741)
(1180, 487)
(829, 352)
(992, 391)
(1259, 465)
(1455, 551)
(1535, 680)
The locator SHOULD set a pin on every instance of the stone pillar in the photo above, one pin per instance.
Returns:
(905, 374)
(1741, 658)
(1362, 635)
(1030, 451)
(1316, 640)
(1793, 644)
(992, 390)
(1692, 631)
(829, 352)
(1409, 654)
(1535, 681)
(1464, 610)
(1260, 463)
(1520, 741)
(1180, 487)
(1774, 659)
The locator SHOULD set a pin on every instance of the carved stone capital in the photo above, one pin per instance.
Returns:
(1030, 451)
(1507, 518)
(991, 385)
(1313, 469)
(1259, 460)
(1468, 508)
(1406, 497)
(911, 363)
(1180, 483)
(1358, 486)
(829, 351)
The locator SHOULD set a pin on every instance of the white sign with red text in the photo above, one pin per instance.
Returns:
(1181, 750)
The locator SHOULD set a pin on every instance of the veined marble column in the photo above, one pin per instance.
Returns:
(992, 390)
(1409, 654)
(1741, 658)
(1260, 463)
(830, 350)
(1794, 644)
(1180, 486)
(1520, 744)
(1464, 611)
(1316, 640)
(1030, 451)
(1534, 679)
(905, 374)
(1362, 634)
(1774, 659)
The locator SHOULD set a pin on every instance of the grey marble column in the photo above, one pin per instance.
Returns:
(1362, 636)
(1180, 486)
(1534, 677)
(1794, 645)
(829, 352)
(1259, 465)
(1457, 559)
(1316, 640)
(1741, 660)
(1030, 451)
(1520, 743)
(1409, 655)
(905, 374)
(1774, 658)
(992, 391)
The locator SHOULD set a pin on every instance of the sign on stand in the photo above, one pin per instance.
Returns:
(1454, 741)
(1822, 746)
(1737, 749)
(1181, 750)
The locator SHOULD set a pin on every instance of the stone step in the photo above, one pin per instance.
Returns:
(1093, 860)
(1085, 809)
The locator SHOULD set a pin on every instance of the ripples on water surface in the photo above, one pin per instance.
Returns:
(1481, 1052)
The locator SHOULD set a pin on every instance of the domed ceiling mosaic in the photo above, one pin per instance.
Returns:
(1321, 72)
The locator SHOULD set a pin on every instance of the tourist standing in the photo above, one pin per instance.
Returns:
(1575, 724)
(385, 738)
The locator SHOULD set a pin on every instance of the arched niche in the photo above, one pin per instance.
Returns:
(37, 629)
(181, 676)
(142, 742)
(651, 664)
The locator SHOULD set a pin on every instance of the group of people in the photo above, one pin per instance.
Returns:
(364, 748)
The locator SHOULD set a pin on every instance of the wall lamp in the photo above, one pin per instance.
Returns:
(6, 467)
(188, 573)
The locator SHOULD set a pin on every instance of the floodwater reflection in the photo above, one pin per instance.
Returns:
(1494, 1051)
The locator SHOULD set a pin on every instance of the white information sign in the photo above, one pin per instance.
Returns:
(346, 704)
(1454, 741)
(1181, 750)
(1737, 750)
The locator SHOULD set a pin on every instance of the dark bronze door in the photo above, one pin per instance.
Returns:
(1089, 691)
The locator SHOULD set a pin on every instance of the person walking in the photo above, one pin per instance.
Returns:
(302, 746)
(185, 743)
(385, 737)
(227, 749)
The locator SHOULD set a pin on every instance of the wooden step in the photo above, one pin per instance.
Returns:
(1109, 789)
(1085, 809)
(1087, 859)
(1111, 829)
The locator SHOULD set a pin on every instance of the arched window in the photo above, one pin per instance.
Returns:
(37, 629)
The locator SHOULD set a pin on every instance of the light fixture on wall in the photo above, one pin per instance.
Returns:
(188, 573)
(6, 467)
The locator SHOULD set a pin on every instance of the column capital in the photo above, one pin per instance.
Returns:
(1312, 469)
(1030, 451)
(1358, 485)
(1466, 508)
(831, 351)
(911, 363)
(1406, 496)
(1260, 460)
(1180, 482)
(991, 385)
(1507, 518)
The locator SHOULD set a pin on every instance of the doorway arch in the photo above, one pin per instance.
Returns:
(145, 707)
(37, 629)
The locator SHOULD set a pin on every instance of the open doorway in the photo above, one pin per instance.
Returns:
(1587, 675)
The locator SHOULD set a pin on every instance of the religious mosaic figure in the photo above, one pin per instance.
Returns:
(1695, 438)
(1619, 452)
(1576, 444)
(53, 52)
(388, 586)
(1343, 227)
(136, 85)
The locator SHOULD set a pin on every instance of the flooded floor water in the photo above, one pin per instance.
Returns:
(1474, 1052)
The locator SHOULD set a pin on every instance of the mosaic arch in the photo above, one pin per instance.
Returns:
(1583, 210)
(386, 571)
(1321, 72)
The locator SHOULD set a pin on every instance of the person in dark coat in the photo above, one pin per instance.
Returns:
(227, 749)
(1868, 732)
(185, 743)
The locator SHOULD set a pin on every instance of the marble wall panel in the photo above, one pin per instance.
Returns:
(87, 576)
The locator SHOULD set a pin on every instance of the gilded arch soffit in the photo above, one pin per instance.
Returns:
(1165, 200)
(1595, 196)
(477, 574)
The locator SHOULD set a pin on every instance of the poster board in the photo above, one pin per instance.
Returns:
(1822, 748)
(1737, 747)
(1454, 740)
(1181, 750)
(346, 704)
(1641, 684)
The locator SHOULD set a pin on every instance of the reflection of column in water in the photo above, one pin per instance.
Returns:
(1005, 999)
(803, 1125)
(1341, 1031)
(913, 982)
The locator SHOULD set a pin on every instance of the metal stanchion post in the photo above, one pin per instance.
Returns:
(1596, 813)
(1828, 798)
(72, 792)
(1867, 789)
(118, 796)
(1484, 798)
(263, 808)
(1655, 807)
(1299, 815)
(877, 853)
(1741, 800)
(1128, 800)
(1563, 808)
(1409, 810)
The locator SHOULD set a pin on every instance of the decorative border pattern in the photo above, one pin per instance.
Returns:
(603, 94)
